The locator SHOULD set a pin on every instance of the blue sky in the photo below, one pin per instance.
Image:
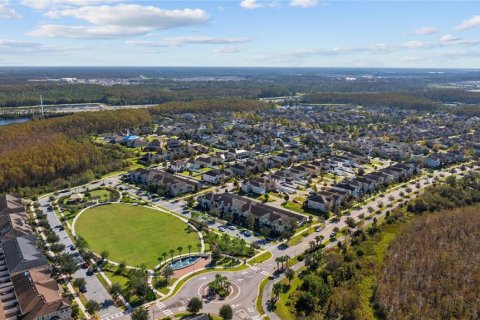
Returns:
(310, 33)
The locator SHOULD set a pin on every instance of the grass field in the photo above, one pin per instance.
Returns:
(134, 234)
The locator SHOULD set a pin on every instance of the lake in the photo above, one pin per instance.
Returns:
(4, 122)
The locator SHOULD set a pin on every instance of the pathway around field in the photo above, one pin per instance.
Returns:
(149, 207)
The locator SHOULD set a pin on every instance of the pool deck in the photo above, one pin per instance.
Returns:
(194, 267)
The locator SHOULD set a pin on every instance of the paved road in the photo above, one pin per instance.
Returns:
(247, 281)
(95, 290)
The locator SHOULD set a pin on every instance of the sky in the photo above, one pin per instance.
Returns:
(283, 33)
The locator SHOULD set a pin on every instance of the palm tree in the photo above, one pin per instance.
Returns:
(115, 290)
(278, 260)
(189, 249)
(277, 288)
(179, 249)
(171, 253)
(312, 245)
(318, 239)
(290, 274)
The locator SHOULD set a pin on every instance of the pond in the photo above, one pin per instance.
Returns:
(184, 262)
(4, 122)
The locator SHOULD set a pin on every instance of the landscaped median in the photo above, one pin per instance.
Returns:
(262, 257)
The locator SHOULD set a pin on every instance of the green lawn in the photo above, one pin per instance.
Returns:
(103, 194)
(261, 258)
(134, 234)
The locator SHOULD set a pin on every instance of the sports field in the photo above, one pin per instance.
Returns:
(134, 234)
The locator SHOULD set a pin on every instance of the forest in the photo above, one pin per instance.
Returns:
(377, 272)
(432, 270)
(58, 151)
(396, 100)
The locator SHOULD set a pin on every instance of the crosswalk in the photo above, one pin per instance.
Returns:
(113, 316)
(168, 312)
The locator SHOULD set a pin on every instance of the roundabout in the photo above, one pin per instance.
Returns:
(233, 293)
(135, 234)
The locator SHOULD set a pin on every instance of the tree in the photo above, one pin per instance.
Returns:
(290, 274)
(318, 239)
(250, 221)
(226, 312)
(92, 306)
(81, 243)
(180, 249)
(350, 222)
(115, 290)
(189, 249)
(277, 289)
(79, 282)
(194, 305)
(361, 171)
(171, 253)
(167, 272)
(139, 313)
(122, 266)
(67, 264)
(190, 202)
(104, 255)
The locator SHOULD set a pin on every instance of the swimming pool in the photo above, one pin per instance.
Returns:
(184, 262)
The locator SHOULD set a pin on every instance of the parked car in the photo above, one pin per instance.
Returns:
(247, 233)
(72, 247)
(83, 289)
(318, 229)
(231, 227)
(85, 265)
(221, 228)
(89, 272)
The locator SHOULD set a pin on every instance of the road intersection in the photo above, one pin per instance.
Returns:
(244, 281)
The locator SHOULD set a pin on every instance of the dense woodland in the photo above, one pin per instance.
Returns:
(58, 152)
(432, 270)
(341, 283)
(396, 100)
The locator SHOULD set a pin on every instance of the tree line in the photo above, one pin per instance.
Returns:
(432, 270)
(58, 152)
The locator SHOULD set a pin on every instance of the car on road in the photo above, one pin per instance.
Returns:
(221, 228)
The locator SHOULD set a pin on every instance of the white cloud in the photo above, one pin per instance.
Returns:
(134, 15)
(86, 32)
(6, 12)
(447, 38)
(473, 22)
(27, 47)
(118, 21)
(43, 4)
(227, 50)
(251, 4)
(418, 45)
(304, 3)
(425, 30)
(185, 40)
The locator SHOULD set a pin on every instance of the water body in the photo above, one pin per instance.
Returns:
(4, 122)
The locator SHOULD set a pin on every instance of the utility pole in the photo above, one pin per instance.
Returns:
(41, 105)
